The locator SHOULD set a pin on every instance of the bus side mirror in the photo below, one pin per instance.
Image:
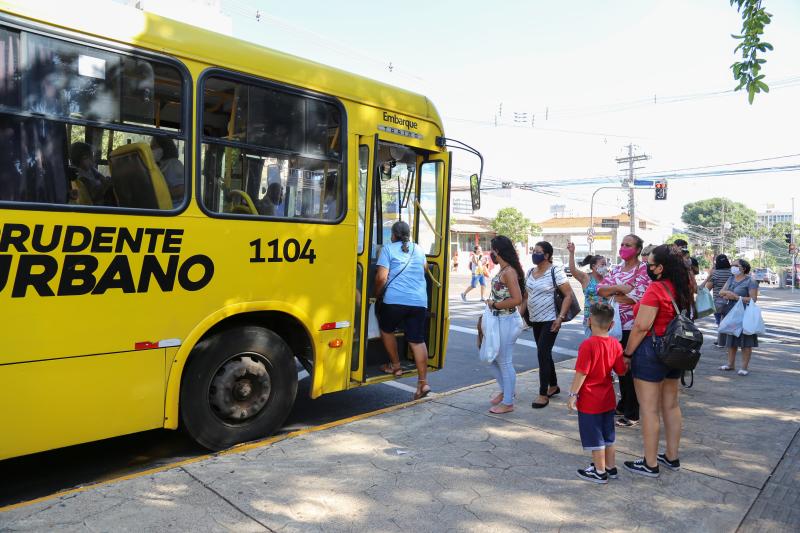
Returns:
(475, 191)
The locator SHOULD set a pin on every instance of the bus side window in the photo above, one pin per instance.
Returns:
(50, 153)
(270, 152)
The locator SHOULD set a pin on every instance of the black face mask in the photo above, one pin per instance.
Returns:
(493, 256)
(652, 275)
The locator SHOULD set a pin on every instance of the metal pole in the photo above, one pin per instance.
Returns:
(591, 207)
(793, 256)
(631, 201)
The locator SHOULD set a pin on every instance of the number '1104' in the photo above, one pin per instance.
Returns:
(289, 252)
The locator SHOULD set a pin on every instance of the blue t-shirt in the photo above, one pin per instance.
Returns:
(409, 287)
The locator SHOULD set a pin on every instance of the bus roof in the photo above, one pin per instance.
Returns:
(175, 38)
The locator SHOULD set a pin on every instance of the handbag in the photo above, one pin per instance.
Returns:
(680, 347)
(558, 298)
(374, 311)
(704, 303)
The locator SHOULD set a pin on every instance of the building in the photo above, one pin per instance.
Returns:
(608, 234)
(466, 231)
(770, 217)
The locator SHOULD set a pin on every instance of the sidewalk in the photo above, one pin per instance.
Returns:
(445, 464)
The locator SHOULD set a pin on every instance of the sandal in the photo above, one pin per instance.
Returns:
(387, 369)
(501, 409)
(497, 398)
(725, 367)
(421, 392)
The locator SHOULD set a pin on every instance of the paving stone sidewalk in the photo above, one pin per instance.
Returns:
(448, 465)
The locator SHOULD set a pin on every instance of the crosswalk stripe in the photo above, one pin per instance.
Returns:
(523, 342)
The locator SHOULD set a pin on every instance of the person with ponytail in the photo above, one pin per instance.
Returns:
(506, 294)
(400, 279)
(597, 271)
(656, 384)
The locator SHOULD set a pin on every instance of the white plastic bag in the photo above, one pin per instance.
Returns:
(753, 323)
(705, 303)
(373, 330)
(732, 323)
(616, 327)
(491, 337)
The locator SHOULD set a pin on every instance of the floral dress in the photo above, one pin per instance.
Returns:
(590, 297)
(500, 292)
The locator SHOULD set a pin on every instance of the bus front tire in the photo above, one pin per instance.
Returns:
(238, 386)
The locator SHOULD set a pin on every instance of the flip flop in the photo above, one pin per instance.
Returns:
(495, 410)
(386, 369)
(422, 393)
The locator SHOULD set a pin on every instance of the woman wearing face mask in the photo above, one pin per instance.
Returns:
(626, 283)
(540, 302)
(597, 271)
(165, 154)
(506, 295)
(656, 384)
(740, 286)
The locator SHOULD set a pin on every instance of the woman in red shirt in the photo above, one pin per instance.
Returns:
(656, 384)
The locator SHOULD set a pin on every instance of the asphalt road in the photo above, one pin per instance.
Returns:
(41, 474)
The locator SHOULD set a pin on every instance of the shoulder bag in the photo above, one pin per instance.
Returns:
(558, 299)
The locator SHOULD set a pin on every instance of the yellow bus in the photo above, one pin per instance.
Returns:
(186, 217)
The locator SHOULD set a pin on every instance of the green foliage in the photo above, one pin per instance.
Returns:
(675, 236)
(747, 71)
(513, 224)
(706, 216)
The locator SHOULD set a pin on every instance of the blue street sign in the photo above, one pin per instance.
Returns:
(643, 183)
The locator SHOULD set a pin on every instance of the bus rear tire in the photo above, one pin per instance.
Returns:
(239, 385)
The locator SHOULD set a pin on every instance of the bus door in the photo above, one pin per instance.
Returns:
(430, 230)
(393, 193)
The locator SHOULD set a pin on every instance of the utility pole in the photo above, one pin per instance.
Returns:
(629, 182)
(722, 250)
(793, 255)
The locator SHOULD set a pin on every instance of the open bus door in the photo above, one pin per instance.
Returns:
(400, 183)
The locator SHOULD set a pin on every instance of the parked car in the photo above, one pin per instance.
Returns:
(765, 275)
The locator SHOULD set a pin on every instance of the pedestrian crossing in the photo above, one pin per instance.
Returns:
(782, 320)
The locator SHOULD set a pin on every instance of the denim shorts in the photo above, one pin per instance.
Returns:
(479, 278)
(597, 431)
(646, 365)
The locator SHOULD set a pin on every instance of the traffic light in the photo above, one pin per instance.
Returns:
(661, 190)
(788, 237)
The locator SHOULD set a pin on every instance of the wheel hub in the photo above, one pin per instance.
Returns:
(240, 389)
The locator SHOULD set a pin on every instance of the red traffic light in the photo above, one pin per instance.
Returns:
(661, 185)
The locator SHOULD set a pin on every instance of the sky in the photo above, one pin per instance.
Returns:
(593, 75)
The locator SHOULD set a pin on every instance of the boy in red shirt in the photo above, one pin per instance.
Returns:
(593, 391)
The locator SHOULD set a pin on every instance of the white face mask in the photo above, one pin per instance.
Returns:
(603, 270)
(158, 153)
(736, 271)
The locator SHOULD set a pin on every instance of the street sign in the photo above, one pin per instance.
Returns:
(590, 239)
(643, 183)
(590, 231)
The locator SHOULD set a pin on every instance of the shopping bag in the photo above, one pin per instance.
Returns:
(616, 327)
(373, 330)
(705, 303)
(732, 323)
(491, 337)
(753, 323)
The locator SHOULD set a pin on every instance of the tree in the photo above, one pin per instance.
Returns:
(513, 224)
(747, 71)
(706, 217)
(675, 236)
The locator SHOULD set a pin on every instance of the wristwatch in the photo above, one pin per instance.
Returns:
(573, 394)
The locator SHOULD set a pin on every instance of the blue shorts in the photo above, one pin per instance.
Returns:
(646, 365)
(597, 431)
(480, 278)
(410, 317)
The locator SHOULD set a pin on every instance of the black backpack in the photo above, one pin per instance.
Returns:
(680, 347)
